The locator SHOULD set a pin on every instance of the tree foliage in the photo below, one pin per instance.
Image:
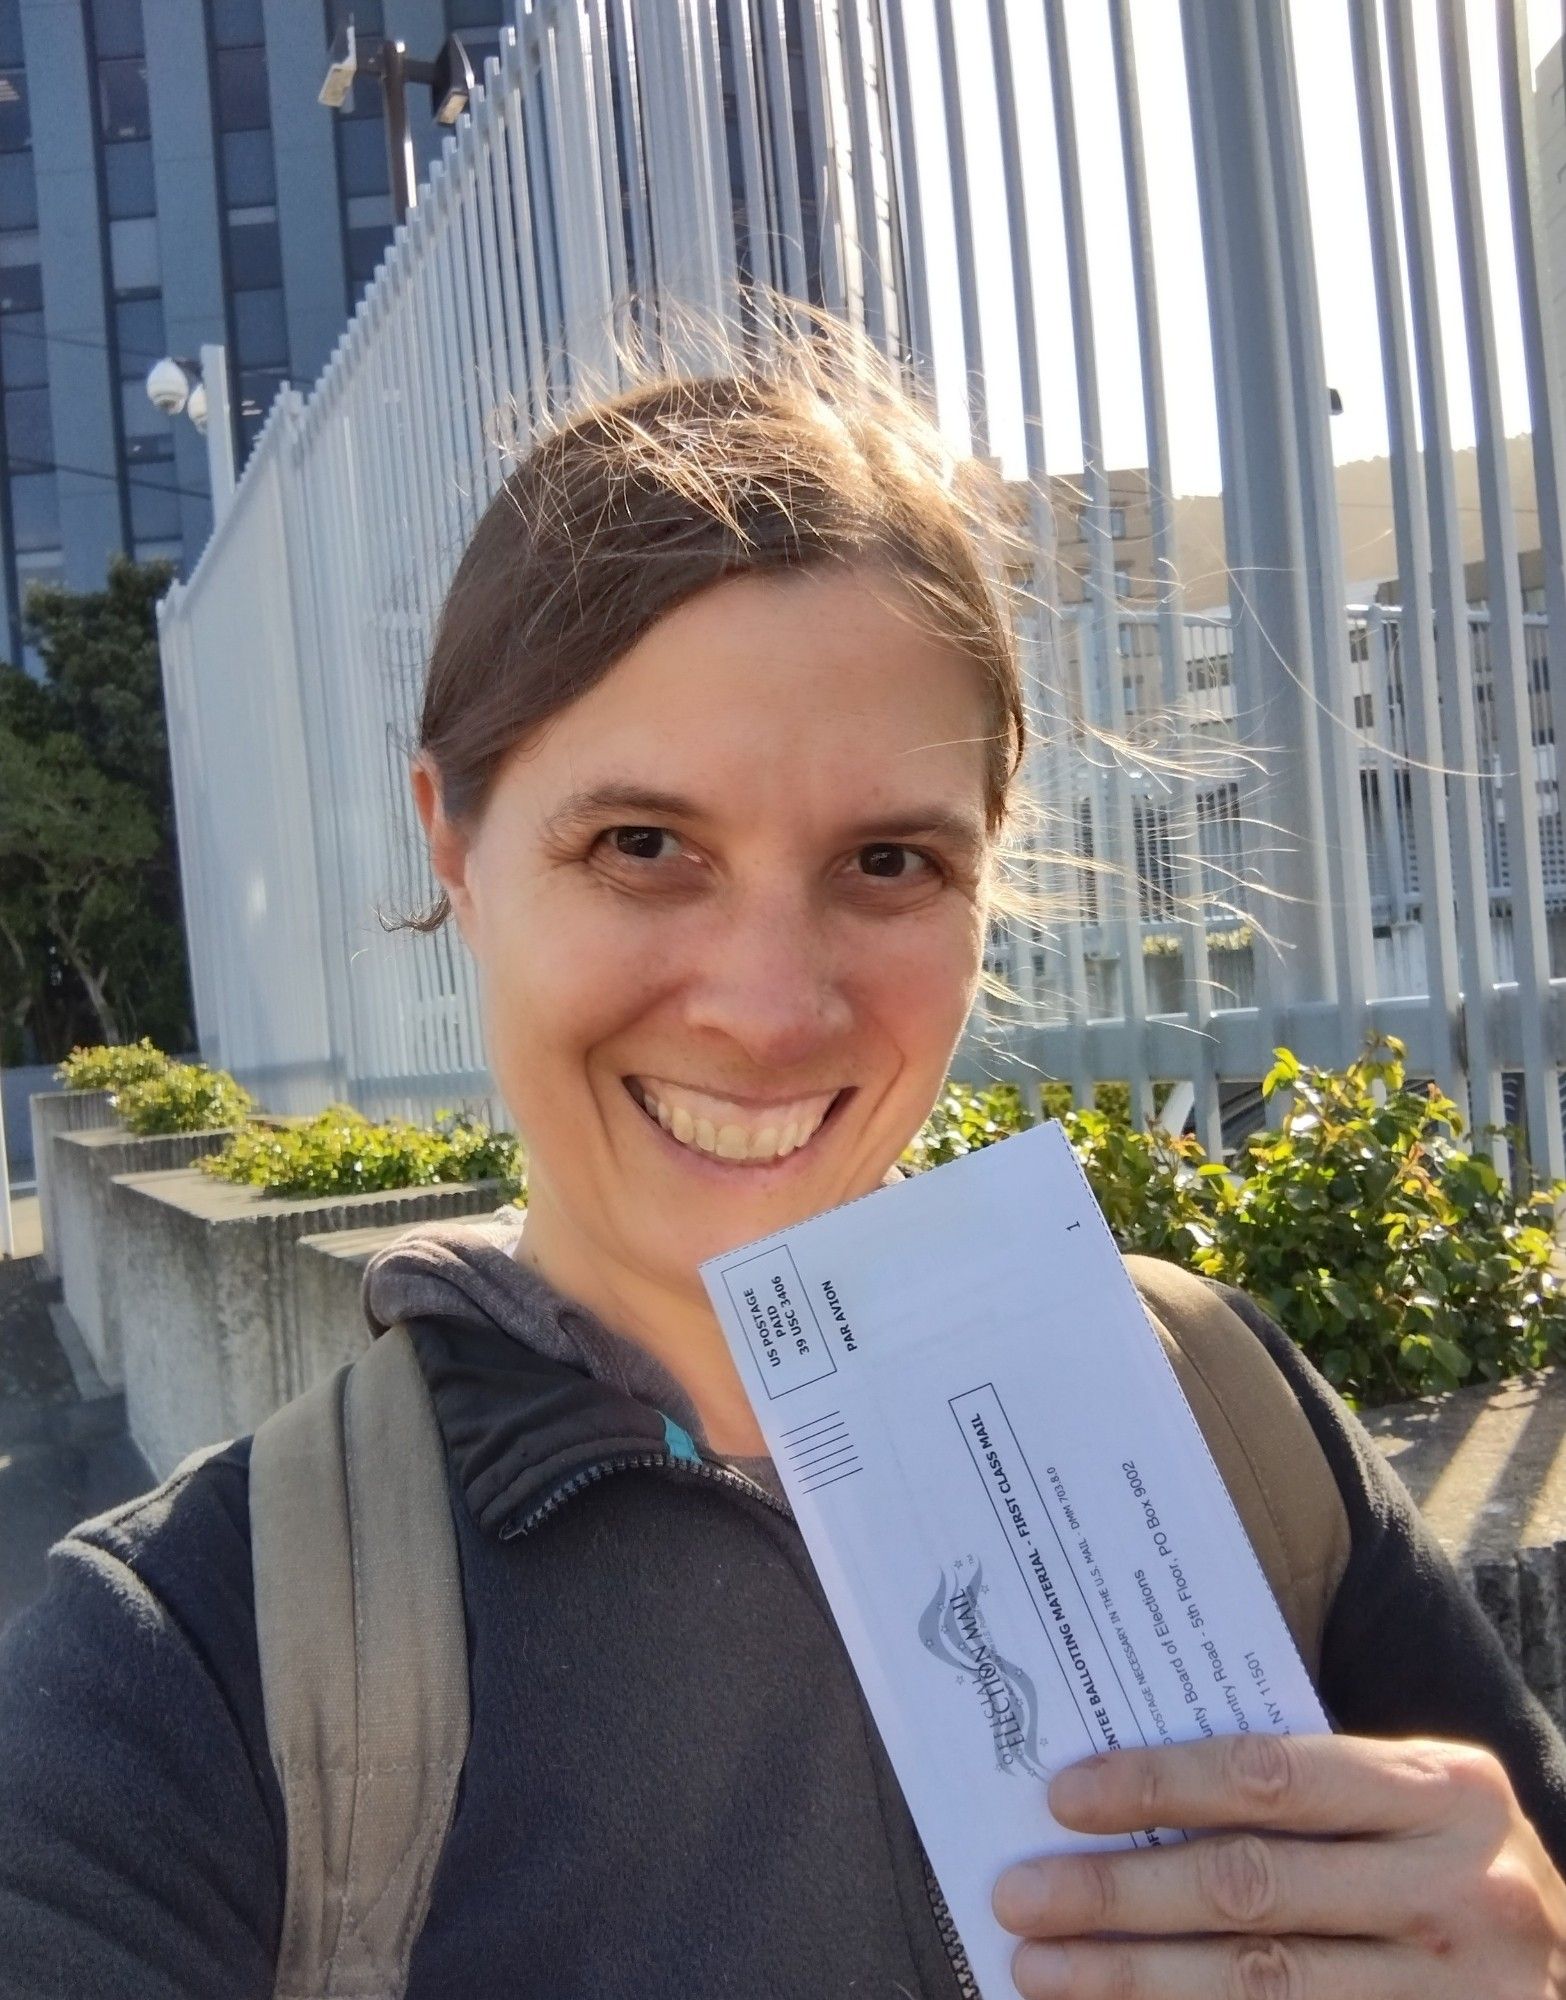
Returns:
(91, 927)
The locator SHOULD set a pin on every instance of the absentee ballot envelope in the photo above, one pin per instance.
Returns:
(1014, 1515)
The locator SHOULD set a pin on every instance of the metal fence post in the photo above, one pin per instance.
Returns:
(1248, 234)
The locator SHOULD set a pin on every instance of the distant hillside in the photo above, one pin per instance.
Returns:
(1365, 519)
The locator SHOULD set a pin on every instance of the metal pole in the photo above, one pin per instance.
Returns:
(220, 429)
(393, 66)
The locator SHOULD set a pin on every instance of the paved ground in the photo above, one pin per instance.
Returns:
(64, 1455)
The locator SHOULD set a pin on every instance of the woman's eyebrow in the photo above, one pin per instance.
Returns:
(577, 807)
(965, 829)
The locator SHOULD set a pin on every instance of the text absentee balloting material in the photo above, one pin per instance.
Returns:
(1014, 1515)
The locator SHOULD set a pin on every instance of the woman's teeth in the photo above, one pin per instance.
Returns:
(730, 1131)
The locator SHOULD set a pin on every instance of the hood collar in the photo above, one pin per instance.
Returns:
(528, 1386)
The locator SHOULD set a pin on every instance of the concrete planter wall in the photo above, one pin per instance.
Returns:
(83, 1165)
(213, 1329)
(51, 1112)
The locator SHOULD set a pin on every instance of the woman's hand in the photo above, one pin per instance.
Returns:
(1429, 1885)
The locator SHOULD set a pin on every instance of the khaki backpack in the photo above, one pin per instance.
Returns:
(363, 1643)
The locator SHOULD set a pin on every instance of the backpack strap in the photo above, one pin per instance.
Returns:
(1262, 1443)
(364, 1666)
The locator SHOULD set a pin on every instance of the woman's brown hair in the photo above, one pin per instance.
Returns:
(810, 453)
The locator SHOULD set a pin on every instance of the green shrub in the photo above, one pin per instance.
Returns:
(110, 1065)
(1157, 1189)
(1399, 1261)
(342, 1152)
(183, 1097)
(967, 1116)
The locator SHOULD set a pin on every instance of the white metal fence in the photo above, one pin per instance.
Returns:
(1373, 793)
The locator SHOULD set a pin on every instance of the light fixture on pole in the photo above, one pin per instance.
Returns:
(200, 389)
(451, 84)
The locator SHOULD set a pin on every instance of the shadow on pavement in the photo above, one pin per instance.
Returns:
(62, 1459)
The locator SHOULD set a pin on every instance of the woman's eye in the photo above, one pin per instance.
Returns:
(639, 843)
(890, 861)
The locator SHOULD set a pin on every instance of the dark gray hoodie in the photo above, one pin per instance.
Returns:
(673, 1784)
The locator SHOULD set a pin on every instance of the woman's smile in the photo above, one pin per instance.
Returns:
(737, 1132)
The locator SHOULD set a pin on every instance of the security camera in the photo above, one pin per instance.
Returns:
(196, 408)
(169, 386)
(342, 67)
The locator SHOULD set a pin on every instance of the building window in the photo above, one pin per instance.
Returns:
(122, 99)
(154, 501)
(241, 89)
(139, 332)
(257, 387)
(21, 280)
(133, 255)
(235, 22)
(18, 192)
(35, 511)
(29, 428)
(366, 248)
(255, 253)
(11, 33)
(24, 355)
(116, 28)
(1122, 583)
(249, 171)
(363, 153)
(261, 329)
(16, 128)
(127, 173)
(1117, 524)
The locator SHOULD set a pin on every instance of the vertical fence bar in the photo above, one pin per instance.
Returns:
(1540, 329)
(1344, 874)
(1508, 662)
(903, 153)
(1041, 633)
(878, 309)
(1263, 520)
(772, 41)
(1115, 841)
(962, 220)
(1411, 528)
(1171, 622)
(1467, 780)
(525, 225)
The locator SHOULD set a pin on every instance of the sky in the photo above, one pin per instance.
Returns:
(1324, 71)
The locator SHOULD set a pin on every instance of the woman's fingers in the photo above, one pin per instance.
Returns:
(1219, 1969)
(1231, 1882)
(1290, 1784)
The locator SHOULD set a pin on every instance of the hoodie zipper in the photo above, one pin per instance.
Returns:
(643, 1461)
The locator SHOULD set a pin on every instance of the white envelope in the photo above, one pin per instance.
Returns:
(1016, 1520)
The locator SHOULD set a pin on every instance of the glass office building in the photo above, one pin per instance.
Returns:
(168, 178)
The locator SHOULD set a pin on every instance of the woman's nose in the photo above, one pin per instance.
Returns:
(770, 978)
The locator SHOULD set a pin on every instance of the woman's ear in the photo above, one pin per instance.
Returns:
(448, 848)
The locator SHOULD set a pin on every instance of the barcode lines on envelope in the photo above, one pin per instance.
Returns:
(821, 1452)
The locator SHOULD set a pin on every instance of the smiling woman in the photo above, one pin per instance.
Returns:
(718, 767)
(721, 831)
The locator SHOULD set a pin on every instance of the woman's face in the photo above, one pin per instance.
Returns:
(727, 914)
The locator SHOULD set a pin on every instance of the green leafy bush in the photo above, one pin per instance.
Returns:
(183, 1097)
(965, 1117)
(110, 1065)
(342, 1152)
(1399, 1261)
